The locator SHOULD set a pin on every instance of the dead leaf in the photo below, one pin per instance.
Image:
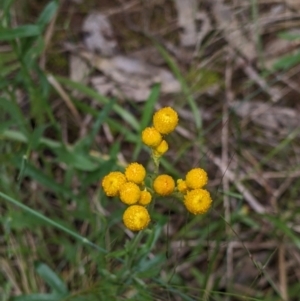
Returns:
(149, 54)
(78, 69)
(276, 118)
(98, 35)
(232, 30)
(122, 76)
(132, 78)
(186, 11)
(294, 4)
(102, 84)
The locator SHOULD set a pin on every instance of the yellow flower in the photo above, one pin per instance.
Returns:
(165, 120)
(151, 137)
(130, 193)
(196, 178)
(135, 173)
(161, 149)
(181, 186)
(136, 218)
(145, 198)
(112, 182)
(197, 201)
(164, 185)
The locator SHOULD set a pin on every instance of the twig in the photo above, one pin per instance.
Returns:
(225, 162)
(57, 86)
(282, 272)
(253, 75)
(252, 201)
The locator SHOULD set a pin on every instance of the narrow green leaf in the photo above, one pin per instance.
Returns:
(94, 176)
(116, 254)
(15, 113)
(47, 13)
(57, 285)
(20, 220)
(6, 125)
(286, 230)
(20, 137)
(175, 69)
(5, 5)
(36, 136)
(37, 297)
(286, 62)
(50, 222)
(127, 116)
(232, 194)
(146, 118)
(102, 116)
(42, 178)
(149, 106)
(155, 234)
(114, 124)
(24, 31)
(80, 161)
(289, 36)
(148, 264)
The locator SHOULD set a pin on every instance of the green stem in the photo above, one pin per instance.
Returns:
(136, 240)
(133, 248)
(156, 163)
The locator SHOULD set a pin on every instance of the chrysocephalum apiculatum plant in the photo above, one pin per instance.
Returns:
(130, 186)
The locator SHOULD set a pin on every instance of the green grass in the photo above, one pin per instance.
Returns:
(63, 239)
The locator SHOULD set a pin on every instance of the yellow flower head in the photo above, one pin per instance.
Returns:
(135, 173)
(161, 149)
(197, 201)
(181, 186)
(165, 120)
(151, 137)
(164, 185)
(130, 193)
(136, 218)
(145, 198)
(112, 182)
(196, 178)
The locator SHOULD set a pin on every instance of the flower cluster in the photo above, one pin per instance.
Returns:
(196, 199)
(164, 122)
(130, 186)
